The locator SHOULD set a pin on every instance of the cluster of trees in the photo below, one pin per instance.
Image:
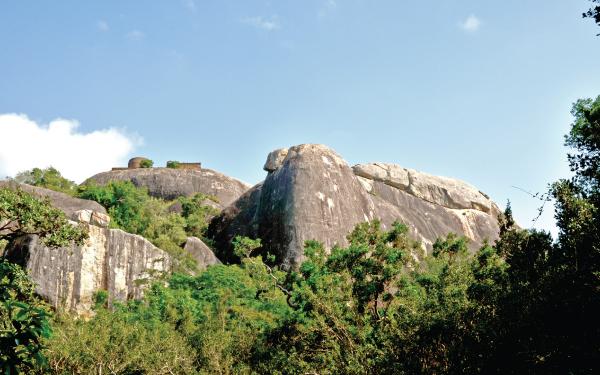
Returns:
(525, 304)
(167, 224)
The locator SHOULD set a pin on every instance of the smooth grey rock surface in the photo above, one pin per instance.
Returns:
(203, 255)
(169, 183)
(313, 194)
(111, 259)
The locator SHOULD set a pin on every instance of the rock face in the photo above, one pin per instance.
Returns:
(169, 183)
(110, 260)
(312, 193)
(203, 255)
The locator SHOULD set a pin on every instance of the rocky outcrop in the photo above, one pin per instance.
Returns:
(111, 259)
(443, 191)
(275, 159)
(312, 193)
(64, 202)
(203, 255)
(169, 183)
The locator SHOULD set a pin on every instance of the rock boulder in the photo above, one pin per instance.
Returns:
(203, 255)
(169, 183)
(312, 193)
(111, 259)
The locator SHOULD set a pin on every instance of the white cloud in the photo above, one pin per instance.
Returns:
(135, 35)
(25, 144)
(190, 5)
(265, 23)
(102, 26)
(471, 24)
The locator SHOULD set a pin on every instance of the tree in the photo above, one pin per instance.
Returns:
(23, 317)
(22, 214)
(173, 164)
(146, 163)
(49, 178)
(134, 211)
(197, 212)
(23, 321)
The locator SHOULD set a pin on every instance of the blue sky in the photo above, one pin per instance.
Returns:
(478, 90)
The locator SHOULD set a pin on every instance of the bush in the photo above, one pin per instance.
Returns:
(23, 321)
(146, 163)
(48, 178)
(118, 343)
(173, 164)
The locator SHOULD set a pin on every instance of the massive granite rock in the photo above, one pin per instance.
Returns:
(111, 259)
(312, 193)
(169, 183)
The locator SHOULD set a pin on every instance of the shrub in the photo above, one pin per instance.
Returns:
(23, 321)
(48, 178)
(146, 163)
(118, 342)
(173, 164)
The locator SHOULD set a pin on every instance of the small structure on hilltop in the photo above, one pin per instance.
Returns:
(193, 166)
(138, 162)
(142, 162)
(173, 164)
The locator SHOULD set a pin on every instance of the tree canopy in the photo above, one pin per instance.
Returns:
(21, 214)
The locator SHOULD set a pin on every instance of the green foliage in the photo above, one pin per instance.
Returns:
(173, 164)
(48, 178)
(126, 204)
(208, 324)
(146, 163)
(21, 213)
(117, 342)
(527, 304)
(584, 139)
(134, 211)
(23, 321)
(197, 212)
(371, 308)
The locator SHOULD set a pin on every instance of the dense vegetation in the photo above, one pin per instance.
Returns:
(23, 316)
(525, 304)
(166, 224)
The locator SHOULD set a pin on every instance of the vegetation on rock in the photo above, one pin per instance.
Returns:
(525, 304)
(134, 211)
(22, 214)
(173, 164)
(146, 163)
(49, 178)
